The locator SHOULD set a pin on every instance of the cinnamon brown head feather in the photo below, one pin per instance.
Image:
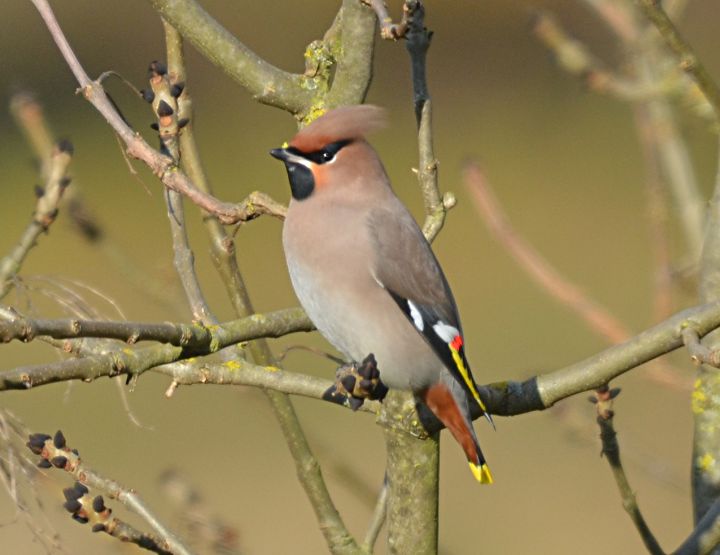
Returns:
(348, 122)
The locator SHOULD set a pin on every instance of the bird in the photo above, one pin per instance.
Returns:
(367, 277)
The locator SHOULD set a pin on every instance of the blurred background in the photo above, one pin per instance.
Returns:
(564, 162)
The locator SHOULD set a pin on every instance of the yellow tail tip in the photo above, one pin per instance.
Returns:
(481, 472)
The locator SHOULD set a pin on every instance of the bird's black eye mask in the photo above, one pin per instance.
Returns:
(322, 156)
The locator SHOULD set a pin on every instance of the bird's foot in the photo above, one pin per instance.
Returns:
(356, 382)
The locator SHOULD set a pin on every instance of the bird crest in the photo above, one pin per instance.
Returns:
(346, 123)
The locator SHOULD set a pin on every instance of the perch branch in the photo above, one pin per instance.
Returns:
(240, 372)
(504, 399)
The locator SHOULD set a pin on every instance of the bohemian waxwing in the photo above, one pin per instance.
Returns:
(367, 277)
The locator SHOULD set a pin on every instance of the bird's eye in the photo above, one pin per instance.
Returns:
(327, 156)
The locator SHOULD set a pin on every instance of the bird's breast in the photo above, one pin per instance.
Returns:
(330, 259)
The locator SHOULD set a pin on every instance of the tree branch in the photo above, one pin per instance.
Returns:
(353, 51)
(46, 210)
(54, 452)
(378, 519)
(706, 535)
(603, 400)
(162, 166)
(417, 43)
(687, 58)
(192, 337)
(263, 81)
(596, 316)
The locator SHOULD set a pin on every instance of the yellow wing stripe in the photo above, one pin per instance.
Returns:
(466, 376)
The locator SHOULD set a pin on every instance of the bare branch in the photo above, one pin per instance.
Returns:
(417, 44)
(699, 353)
(603, 400)
(162, 166)
(706, 412)
(353, 50)
(648, 88)
(240, 372)
(378, 519)
(706, 535)
(388, 29)
(45, 213)
(262, 80)
(55, 453)
(211, 532)
(597, 317)
(28, 115)
(165, 103)
(687, 58)
(136, 361)
(413, 480)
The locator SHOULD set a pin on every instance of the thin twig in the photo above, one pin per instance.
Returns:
(377, 521)
(162, 166)
(706, 535)
(388, 29)
(192, 337)
(699, 353)
(211, 532)
(417, 44)
(46, 210)
(28, 115)
(657, 214)
(597, 317)
(169, 127)
(611, 450)
(55, 452)
(687, 58)
(648, 87)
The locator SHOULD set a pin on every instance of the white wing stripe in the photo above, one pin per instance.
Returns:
(446, 332)
(416, 316)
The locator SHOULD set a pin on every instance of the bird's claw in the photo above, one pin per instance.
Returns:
(356, 382)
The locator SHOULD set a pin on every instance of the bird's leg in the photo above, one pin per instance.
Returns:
(356, 382)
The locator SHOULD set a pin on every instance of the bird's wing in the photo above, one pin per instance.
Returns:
(406, 267)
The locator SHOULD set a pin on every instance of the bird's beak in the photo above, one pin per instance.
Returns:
(289, 157)
(280, 154)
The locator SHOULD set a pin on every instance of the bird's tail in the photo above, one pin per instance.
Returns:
(479, 467)
(455, 414)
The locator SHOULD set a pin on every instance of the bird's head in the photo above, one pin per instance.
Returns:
(332, 150)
